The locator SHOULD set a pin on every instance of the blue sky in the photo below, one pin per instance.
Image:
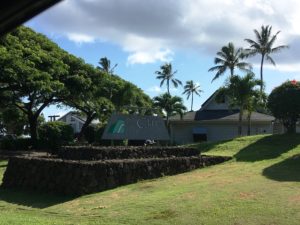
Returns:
(142, 35)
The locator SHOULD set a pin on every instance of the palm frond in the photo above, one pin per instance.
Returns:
(269, 58)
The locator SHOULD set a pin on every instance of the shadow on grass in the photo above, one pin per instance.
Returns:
(268, 147)
(31, 199)
(286, 170)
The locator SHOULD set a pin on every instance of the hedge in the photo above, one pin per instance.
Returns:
(83, 177)
(124, 152)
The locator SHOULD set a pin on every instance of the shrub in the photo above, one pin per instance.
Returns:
(55, 134)
(20, 144)
(284, 103)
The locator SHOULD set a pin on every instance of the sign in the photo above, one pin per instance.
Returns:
(135, 127)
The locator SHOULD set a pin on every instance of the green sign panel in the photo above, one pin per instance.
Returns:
(117, 127)
(135, 127)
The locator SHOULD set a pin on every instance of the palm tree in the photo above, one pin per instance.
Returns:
(264, 47)
(169, 105)
(166, 74)
(241, 92)
(105, 65)
(229, 58)
(190, 88)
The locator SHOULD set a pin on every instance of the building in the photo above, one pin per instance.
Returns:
(216, 121)
(75, 120)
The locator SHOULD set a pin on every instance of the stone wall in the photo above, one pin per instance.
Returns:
(124, 152)
(82, 177)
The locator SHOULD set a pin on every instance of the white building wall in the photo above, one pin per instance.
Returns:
(182, 133)
(74, 122)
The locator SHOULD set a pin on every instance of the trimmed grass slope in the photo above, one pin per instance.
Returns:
(260, 186)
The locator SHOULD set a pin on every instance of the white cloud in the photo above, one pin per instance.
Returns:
(80, 38)
(289, 68)
(159, 90)
(153, 30)
(155, 89)
(150, 56)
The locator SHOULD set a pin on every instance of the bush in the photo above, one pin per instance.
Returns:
(55, 134)
(20, 144)
(284, 103)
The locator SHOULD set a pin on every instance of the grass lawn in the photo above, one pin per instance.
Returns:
(261, 185)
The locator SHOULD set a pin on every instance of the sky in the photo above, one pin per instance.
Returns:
(140, 36)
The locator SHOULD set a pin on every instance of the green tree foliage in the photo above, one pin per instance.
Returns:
(190, 88)
(241, 92)
(36, 73)
(169, 105)
(13, 120)
(55, 134)
(32, 72)
(86, 92)
(166, 74)
(263, 45)
(284, 103)
(229, 58)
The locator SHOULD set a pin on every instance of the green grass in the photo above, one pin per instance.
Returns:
(261, 185)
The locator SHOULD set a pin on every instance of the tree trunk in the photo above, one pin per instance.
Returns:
(168, 86)
(33, 130)
(261, 73)
(290, 125)
(88, 121)
(249, 124)
(231, 72)
(192, 102)
(240, 123)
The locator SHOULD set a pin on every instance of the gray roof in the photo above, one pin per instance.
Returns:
(221, 115)
(187, 116)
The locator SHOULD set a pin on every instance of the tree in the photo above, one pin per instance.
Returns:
(169, 105)
(90, 91)
(166, 74)
(126, 96)
(229, 58)
(263, 46)
(13, 120)
(284, 103)
(241, 93)
(86, 92)
(191, 88)
(32, 73)
(105, 65)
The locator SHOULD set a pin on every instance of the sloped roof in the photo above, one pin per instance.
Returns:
(187, 116)
(213, 114)
(221, 115)
(79, 117)
(210, 98)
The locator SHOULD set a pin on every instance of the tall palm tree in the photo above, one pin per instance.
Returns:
(229, 58)
(166, 74)
(264, 47)
(190, 88)
(105, 65)
(170, 105)
(240, 92)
